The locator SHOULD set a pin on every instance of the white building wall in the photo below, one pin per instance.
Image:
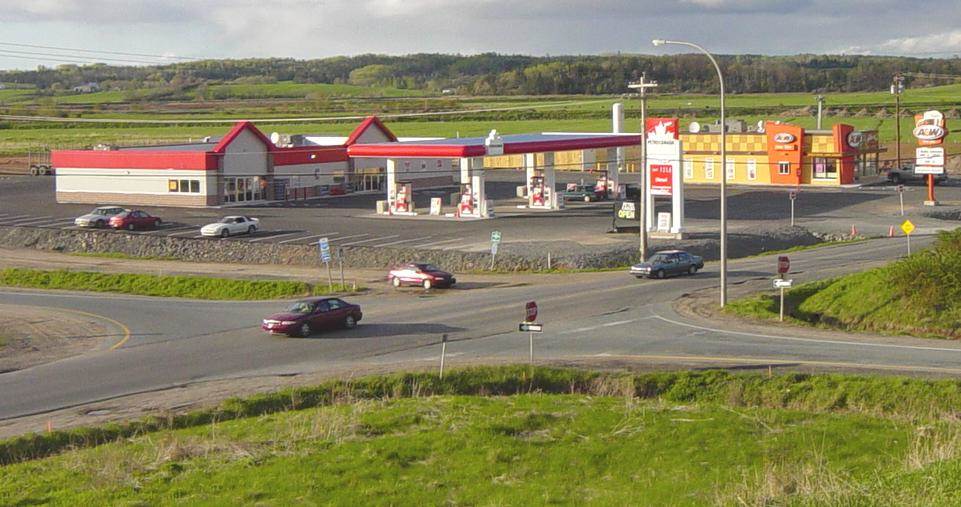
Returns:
(309, 175)
(128, 181)
(372, 135)
(246, 155)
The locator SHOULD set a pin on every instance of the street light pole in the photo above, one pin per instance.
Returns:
(897, 86)
(820, 99)
(720, 78)
(643, 85)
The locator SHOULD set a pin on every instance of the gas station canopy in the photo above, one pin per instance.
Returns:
(465, 147)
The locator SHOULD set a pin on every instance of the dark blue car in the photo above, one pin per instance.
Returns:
(667, 263)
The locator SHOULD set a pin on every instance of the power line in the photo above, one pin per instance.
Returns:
(76, 58)
(121, 53)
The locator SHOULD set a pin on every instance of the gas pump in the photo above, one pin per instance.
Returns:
(538, 195)
(602, 187)
(466, 205)
(402, 201)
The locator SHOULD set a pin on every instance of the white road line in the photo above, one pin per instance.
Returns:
(30, 221)
(189, 231)
(461, 245)
(606, 324)
(26, 218)
(59, 223)
(353, 236)
(275, 236)
(404, 241)
(440, 242)
(308, 237)
(17, 217)
(165, 230)
(810, 340)
(371, 239)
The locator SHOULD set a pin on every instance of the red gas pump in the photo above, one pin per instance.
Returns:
(402, 200)
(538, 197)
(466, 205)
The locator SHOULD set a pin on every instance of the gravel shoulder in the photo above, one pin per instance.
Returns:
(32, 335)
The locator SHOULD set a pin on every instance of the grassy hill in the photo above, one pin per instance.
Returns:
(501, 436)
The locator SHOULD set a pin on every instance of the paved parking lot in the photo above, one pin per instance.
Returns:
(350, 220)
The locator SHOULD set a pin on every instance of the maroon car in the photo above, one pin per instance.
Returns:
(309, 315)
(422, 274)
(136, 219)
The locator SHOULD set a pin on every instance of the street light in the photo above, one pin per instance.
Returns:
(897, 88)
(720, 77)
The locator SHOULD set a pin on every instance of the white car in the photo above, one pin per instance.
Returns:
(228, 226)
(99, 217)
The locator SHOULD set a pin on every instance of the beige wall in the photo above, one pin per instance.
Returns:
(245, 156)
(128, 181)
(308, 175)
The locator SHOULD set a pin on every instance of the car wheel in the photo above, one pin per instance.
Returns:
(350, 322)
(692, 270)
(638, 276)
(158, 222)
(100, 224)
(395, 282)
(224, 233)
(896, 179)
(427, 284)
(660, 274)
(251, 229)
(304, 330)
(130, 227)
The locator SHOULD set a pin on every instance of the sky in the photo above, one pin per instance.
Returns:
(320, 28)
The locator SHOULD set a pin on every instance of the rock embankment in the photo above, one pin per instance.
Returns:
(511, 257)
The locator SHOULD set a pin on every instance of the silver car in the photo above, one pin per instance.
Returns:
(99, 217)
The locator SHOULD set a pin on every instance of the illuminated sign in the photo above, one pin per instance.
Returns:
(784, 138)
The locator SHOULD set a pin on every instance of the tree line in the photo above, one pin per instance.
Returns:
(497, 74)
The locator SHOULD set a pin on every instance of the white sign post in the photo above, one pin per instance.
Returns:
(324, 245)
(780, 283)
(664, 154)
(495, 241)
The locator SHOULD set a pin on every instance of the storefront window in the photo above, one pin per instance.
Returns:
(709, 169)
(784, 168)
(731, 174)
(751, 169)
(688, 169)
(825, 168)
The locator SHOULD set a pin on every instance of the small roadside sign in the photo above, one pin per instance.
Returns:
(783, 264)
(792, 195)
(531, 311)
(780, 283)
(494, 248)
(530, 327)
(900, 189)
(324, 245)
(495, 236)
(907, 227)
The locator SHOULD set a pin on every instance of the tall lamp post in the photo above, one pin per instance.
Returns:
(897, 86)
(643, 85)
(720, 77)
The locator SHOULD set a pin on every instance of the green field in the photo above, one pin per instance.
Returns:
(193, 287)
(497, 436)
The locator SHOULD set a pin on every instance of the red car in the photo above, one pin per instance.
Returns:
(135, 219)
(424, 275)
(309, 315)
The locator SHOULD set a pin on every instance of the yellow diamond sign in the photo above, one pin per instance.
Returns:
(907, 227)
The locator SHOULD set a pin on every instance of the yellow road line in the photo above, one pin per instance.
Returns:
(121, 325)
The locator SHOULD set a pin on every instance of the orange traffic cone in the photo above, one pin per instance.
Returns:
(854, 231)
(891, 231)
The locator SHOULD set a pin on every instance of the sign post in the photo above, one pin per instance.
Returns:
(443, 353)
(901, 198)
(908, 228)
(793, 196)
(930, 131)
(324, 246)
(783, 266)
(340, 259)
(495, 241)
(780, 283)
(530, 326)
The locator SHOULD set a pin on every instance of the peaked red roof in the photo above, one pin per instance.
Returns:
(367, 123)
(238, 128)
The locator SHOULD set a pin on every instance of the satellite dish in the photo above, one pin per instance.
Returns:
(694, 127)
(760, 126)
(275, 138)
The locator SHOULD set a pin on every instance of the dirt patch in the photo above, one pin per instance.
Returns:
(31, 335)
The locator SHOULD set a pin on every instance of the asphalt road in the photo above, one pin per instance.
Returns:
(597, 315)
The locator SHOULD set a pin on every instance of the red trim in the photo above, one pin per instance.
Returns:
(367, 123)
(478, 150)
(302, 155)
(90, 159)
(238, 128)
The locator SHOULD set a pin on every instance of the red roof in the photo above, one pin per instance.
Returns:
(238, 128)
(92, 159)
(367, 123)
(309, 155)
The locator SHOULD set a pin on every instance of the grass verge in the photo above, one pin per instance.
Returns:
(193, 287)
(506, 436)
(801, 248)
(919, 295)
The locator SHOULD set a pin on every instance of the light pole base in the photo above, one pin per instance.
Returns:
(932, 203)
(667, 235)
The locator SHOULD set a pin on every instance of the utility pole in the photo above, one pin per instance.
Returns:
(897, 86)
(643, 85)
(820, 99)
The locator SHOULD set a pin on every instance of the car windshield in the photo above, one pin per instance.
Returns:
(103, 211)
(428, 267)
(301, 307)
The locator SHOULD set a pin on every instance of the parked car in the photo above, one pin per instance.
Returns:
(306, 316)
(668, 262)
(99, 217)
(135, 219)
(424, 275)
(906, 173)
(585, 193)
(227, 226)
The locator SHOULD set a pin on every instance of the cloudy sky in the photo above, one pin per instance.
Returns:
(319, 28)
